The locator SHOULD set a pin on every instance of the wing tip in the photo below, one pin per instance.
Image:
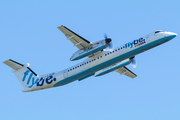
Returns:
(60, 26)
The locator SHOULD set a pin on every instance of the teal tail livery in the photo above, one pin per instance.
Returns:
(28, 78)
(101, 59)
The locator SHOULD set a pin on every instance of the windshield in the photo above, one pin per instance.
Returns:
(158, 31)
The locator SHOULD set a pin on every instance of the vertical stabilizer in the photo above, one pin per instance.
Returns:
(25, 75)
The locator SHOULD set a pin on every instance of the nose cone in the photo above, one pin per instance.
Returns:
(172, 35)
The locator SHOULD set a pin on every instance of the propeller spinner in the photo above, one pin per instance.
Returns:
(108, 42)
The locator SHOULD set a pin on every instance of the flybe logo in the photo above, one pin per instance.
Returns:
(135, 43)
(32, 80)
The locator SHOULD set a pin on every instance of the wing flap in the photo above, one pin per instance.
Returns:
(77, 40)
(126, 71)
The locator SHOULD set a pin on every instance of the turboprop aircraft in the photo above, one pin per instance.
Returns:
(102, 58)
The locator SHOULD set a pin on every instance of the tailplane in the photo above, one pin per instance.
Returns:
(25, 75)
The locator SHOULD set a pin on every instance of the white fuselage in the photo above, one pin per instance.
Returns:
(102, 60)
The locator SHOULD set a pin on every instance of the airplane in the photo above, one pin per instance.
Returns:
(101, 59)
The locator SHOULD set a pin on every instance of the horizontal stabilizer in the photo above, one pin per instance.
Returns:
(16, 66)
(13, 64)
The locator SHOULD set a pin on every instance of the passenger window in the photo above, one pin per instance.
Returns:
(115, 50)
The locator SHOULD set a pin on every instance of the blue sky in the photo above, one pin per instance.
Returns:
(29, 34)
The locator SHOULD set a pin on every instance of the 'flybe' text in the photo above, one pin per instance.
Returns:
(135, 43)
(31, 80)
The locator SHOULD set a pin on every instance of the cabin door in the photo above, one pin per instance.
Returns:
(65, 73)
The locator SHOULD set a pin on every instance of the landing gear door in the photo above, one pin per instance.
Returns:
(65, 73)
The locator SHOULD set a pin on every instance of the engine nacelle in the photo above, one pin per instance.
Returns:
(95, 47)
(112, 67)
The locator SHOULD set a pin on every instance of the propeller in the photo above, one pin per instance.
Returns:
(108, 42)
(133, 62)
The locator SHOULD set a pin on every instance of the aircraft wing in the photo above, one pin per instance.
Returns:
(77, 40)
(126, 71)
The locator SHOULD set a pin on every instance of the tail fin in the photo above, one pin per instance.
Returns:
(25, 75)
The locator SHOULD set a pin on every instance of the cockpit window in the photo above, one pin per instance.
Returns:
(158, 31)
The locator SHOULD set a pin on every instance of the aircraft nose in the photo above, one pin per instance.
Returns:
(172, 35)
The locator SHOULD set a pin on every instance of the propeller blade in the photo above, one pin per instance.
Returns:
(105, 36)
(108, 42)
(111, 45)
(133, 62)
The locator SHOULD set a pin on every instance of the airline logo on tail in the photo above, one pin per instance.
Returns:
(32, 80)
